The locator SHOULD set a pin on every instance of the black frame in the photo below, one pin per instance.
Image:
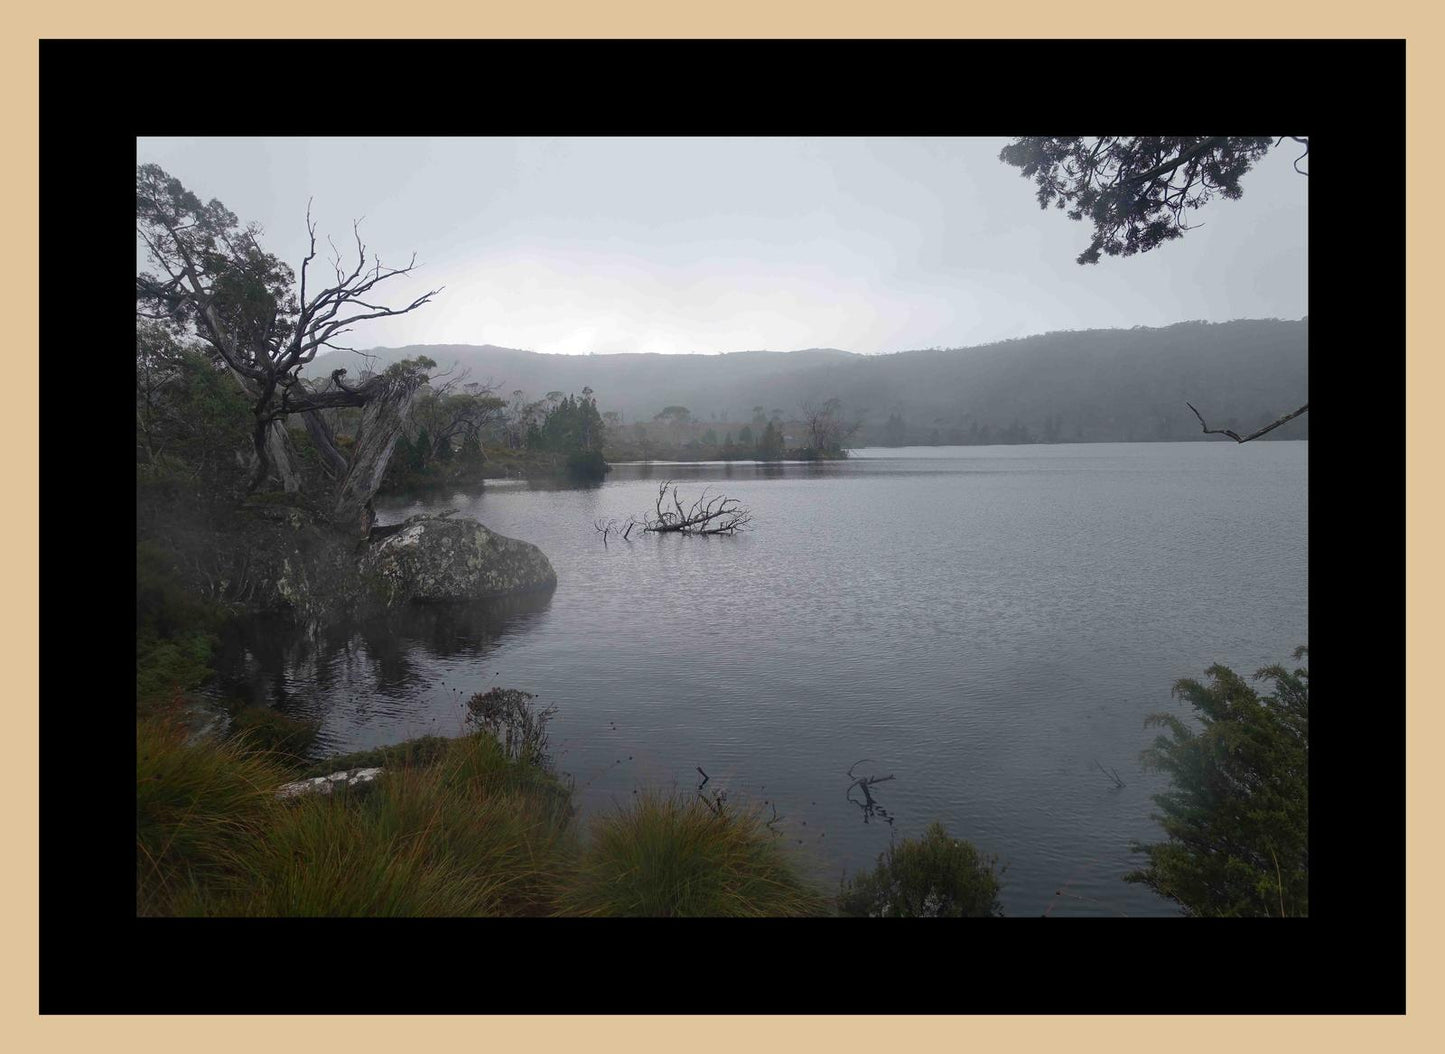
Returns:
(1348, 957)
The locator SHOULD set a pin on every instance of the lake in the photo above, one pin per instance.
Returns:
(987, 625)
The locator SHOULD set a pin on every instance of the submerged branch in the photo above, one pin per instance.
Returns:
(715, 515)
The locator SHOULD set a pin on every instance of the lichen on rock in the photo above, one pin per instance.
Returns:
(431, 559)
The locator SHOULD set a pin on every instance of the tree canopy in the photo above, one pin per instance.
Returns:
(1136, 190)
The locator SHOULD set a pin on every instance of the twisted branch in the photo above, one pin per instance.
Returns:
(1253, 435)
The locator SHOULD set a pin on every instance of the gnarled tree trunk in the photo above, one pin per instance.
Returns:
(278, 458)
(381, 424)
(324, 440)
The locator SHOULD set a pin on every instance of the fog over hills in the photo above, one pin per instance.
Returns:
(1090, 385)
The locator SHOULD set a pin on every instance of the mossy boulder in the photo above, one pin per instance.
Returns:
(430, 559)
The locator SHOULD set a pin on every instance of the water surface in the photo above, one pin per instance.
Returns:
(988, 625)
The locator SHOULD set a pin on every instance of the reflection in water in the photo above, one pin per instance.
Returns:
(313, 672)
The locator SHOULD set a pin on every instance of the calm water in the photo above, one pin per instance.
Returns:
(985, 624)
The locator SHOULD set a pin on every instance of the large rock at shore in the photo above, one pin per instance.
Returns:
(434, 559)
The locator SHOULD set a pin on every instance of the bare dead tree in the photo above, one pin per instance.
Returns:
(827, 429)
(257, 315)
(1253, 435)
(707, 515)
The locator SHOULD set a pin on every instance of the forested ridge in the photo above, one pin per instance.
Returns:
(1104, 385)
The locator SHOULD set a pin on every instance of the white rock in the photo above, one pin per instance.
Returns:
(324, 784)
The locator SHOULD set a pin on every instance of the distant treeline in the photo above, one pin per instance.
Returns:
(1113, 385)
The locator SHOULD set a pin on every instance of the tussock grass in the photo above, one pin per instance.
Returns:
(460, 829)
(673, 856)
(468, 833)
(200, 811)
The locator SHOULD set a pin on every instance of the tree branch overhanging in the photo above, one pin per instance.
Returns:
(1253, 435)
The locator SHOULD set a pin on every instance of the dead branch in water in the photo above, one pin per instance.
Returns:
(1111, 773)
(715, 515)
(868, 805)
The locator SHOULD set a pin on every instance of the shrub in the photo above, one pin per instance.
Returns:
(1237, 813)
(520, 728)
(671, 856)
(174, 631)
(936, 876)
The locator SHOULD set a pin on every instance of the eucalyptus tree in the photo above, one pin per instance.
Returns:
(266, 322)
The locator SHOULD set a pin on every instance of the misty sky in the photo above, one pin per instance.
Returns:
(706, 245)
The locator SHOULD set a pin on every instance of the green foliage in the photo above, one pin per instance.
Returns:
(251, 292)
(192, 419)
(509, 716)
(175, 631)
(264, 729)
(165, 669)
(673, 856)
(1237, 814)
(770, 447)
(572, 426)
(936, 876)
(1135, 190)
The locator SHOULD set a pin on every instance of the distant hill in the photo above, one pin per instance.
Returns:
(1089, 385)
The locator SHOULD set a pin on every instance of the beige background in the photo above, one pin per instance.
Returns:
(21, 1027)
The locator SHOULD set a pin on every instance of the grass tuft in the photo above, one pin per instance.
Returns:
(674, 856)
(469, 832)
(201, 810)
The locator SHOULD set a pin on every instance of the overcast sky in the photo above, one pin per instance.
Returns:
(707, 245)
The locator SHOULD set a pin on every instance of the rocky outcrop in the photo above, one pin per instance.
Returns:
(432, 559)
(279, 558)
